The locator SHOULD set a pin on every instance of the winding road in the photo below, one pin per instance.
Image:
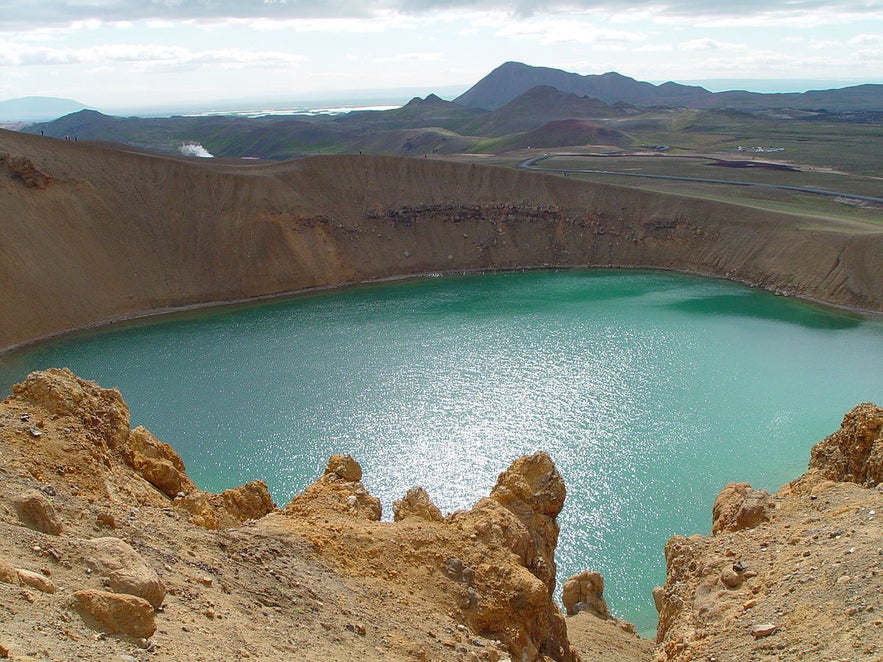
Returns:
(531, 164)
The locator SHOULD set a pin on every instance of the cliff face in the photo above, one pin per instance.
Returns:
(92, 234)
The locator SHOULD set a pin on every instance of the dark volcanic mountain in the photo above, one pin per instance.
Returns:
(512, 79)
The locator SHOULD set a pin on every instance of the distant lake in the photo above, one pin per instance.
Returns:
(650, 391)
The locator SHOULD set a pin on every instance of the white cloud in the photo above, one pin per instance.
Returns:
(708, 44)
(27, 15)
(551, 30)
(410, 57)
(146, 55)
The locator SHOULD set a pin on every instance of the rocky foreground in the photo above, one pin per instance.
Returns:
(109, 551)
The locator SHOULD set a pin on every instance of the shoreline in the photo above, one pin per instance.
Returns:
(265, 298)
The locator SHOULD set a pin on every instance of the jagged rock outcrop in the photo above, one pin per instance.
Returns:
(792, 575)
(494, 564)
(534, 492)
(101, 411)
(854, 453)
(230, 508)
(24, 169)
(69, 416)
(158, 463)
(338, 490)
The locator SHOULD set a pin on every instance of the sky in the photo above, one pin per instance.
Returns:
(140, 53)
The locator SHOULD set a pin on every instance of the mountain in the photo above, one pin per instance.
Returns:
(512, 79)
(37, 109)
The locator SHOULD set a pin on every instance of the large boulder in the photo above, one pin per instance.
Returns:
(36, 512)
(124, 569)
(115, 613)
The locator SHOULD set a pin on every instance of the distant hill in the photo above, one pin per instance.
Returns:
(512, 79)
(37, 109)
(563, 133)
(534, 108)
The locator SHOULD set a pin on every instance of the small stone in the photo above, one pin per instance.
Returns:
(731, 578)
(36, 581)
(763, 630)
(4, 651)
(106, 519)
(749, 604)
(36, 512)
(358, 628)
(206, 581)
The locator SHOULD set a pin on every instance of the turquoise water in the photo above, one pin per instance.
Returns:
(650, 391)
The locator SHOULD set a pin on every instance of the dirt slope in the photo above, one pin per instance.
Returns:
(91, 234)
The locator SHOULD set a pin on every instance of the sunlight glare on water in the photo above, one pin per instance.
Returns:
(650, 391)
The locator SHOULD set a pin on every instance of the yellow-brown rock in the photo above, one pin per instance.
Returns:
(158, 462)
(585, 592)
(854, 453)
(485, 565)
(339, 490)
(8, 573)
(116, 613)
(35, 580)
(533, 490)
(229, 508)
(36, 512)
(124, 570)
(739, 506)
(416, 503)
(101, 411)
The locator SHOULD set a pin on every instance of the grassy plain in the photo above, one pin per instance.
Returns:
(734, 148)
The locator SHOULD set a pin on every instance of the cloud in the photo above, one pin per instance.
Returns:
(25, 15)
(147, 57)
(410, 57)
(553, 30)
(708, 44)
